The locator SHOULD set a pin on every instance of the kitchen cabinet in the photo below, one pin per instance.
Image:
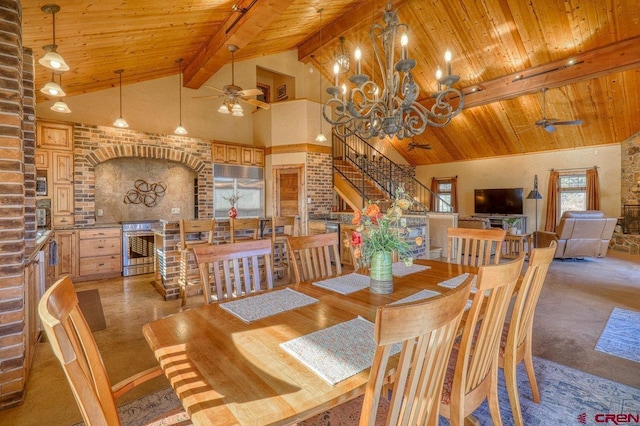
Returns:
(252, 156)
(42, 159)
(67, 252)
(100, 253)
(237, 154)
(55, 136)
(32, 320)
(62, 167)
(62, 205)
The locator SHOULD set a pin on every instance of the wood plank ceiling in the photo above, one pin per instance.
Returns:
(510, 49)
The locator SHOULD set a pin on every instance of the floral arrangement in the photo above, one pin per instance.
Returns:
(381, 232)
(233, 198)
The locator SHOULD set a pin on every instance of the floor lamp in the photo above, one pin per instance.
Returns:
(535, 195)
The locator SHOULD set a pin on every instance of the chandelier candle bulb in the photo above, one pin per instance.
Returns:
(447, 59)
(357, 55)
(336, 71)
(404, 41)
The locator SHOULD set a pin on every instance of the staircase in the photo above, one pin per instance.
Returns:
(362, 173)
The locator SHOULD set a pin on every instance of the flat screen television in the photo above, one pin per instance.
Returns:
(499, 201)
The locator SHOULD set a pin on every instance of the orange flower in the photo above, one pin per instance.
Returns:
(372, 210)
(357, 253)
(418, 241)
(357, 216)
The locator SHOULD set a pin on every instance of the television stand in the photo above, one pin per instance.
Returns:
(498, 220)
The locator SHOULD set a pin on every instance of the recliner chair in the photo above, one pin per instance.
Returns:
(579, 234)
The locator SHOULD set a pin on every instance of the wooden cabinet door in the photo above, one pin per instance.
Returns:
(42, 159)
(258, 157)
(233, 154)
(66, 253)
(55, 136)
(62, 164)
(218, 153)
(247, 156)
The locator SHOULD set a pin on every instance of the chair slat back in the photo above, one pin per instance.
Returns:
(314, 256)
(235, 269)
(289, 225)
(474, 247)
(74, 346)
(525, 305)
(479, 348)
(204, 227)
(426, 330)
(248, 226)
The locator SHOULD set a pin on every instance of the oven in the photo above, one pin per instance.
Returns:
(138, 251)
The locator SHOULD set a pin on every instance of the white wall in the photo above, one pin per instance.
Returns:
(519, 171)
(153, 106)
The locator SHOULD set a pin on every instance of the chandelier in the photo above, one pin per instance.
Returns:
(368, 110)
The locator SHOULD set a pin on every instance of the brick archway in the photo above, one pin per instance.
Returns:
(144, 151)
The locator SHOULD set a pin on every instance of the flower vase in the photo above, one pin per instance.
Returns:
(381, 278)
(233, 213)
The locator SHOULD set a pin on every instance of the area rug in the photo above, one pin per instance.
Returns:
(567, 397)
(621, 335)
(91, 307)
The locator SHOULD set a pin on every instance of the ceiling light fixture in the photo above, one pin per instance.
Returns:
(120, 122)
(52, 58)
(321, 137)
(60, 105)
(368, 110)
(52, 88)
(180, 130)
(341, 56)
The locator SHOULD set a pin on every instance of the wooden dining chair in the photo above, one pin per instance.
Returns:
(74, 346)
(314, 256)
(193, 233)
(281, 228)
(244, 229)
(426, 330)
(515, 344)
(472, 375)
(235, 269)
(474, 247)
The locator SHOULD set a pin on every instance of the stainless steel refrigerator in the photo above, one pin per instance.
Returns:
(246, 181)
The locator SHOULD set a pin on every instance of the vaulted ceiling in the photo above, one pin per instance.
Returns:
(509, 49)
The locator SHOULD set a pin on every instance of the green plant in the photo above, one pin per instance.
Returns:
(512, 221)
(381, 232)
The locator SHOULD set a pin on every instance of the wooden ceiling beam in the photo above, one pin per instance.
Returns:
(610, 59)
(240, 28)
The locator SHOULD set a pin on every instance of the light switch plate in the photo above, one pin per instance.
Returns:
(175, 210)
(100, 212)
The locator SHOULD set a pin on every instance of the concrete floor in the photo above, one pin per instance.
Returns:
(574, 306)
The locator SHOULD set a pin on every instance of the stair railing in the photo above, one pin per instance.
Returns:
(379, 170)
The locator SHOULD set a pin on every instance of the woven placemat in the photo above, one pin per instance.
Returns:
(422, 294)
(265, 305)
(456, 281)
(399, 269)
(338, 352)
(345, 284)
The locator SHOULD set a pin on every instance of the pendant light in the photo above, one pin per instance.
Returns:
(180, 130)
(321, 137)
(52, 58)
(52, 88)
(120, 122)
(60, 105)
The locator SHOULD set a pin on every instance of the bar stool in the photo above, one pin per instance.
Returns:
(289, 226)
(192, 233)
(248, 229)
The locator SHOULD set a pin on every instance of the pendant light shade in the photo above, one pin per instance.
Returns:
(52, 59)
(180, 130)
(120, 122)
(53, 89)
(237, 110)
(61, 106)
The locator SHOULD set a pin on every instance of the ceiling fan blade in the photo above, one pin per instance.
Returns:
(250, 92)
(565, 123)
(207, 97)
(549, 128)
(255, 102)
(214, 88)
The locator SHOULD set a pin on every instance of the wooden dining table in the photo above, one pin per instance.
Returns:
(229, 372)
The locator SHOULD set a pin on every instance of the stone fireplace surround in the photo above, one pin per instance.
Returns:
(630, 164)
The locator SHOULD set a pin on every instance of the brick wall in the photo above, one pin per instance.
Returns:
(96, 144)
(12, 212)
(319, 183)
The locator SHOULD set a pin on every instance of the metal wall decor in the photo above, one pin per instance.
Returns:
(145, 193)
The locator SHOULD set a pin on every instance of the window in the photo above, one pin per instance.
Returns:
(572, 191)
(443, 202)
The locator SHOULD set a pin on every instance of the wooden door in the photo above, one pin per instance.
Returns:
(289, 193)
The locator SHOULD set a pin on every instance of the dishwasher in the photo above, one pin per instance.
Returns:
(335, 227)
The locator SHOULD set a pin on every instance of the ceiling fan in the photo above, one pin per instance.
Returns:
(549, 124)
(413, 145)
(232, 93)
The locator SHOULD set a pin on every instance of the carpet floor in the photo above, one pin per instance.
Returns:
(621, 335)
